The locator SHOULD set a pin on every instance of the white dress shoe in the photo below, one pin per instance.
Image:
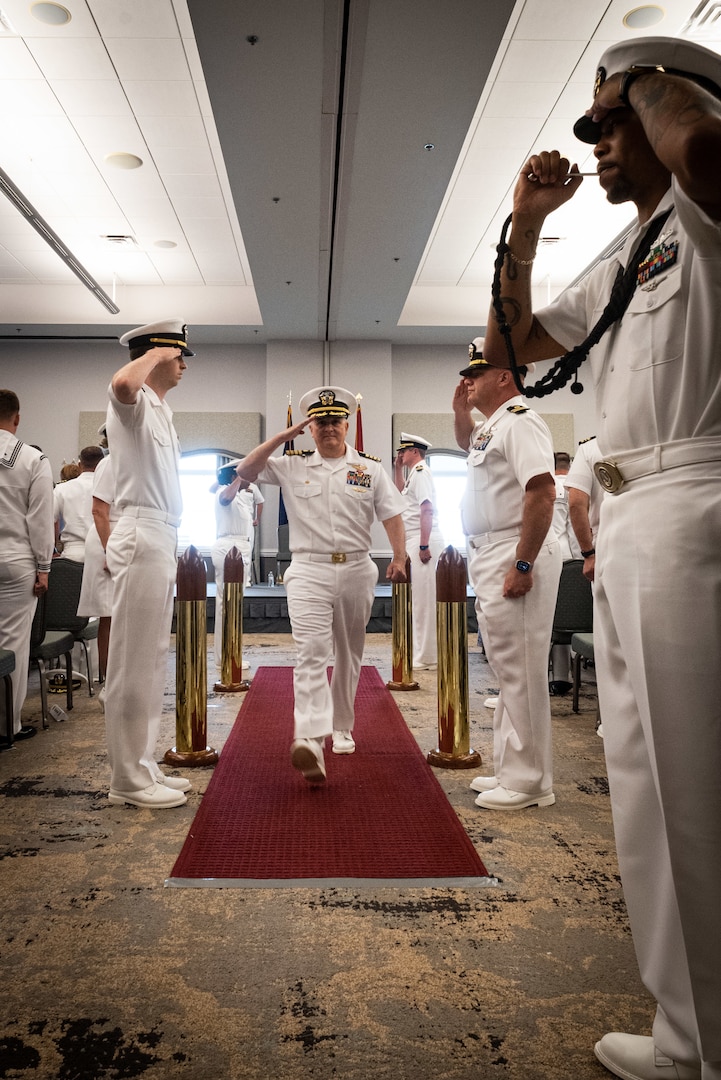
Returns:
(343, 742)
(306, 755)
(156, 796)
(634, 1057)
(484, 783)
(176, 783)
(491, 702)
(599, 731)
(501, 798)
(101, 695)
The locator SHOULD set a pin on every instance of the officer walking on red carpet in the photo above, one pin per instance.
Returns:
(649, 319)
(141, 558)
(332, 495)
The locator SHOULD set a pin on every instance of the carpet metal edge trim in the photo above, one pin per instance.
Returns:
(335, 883)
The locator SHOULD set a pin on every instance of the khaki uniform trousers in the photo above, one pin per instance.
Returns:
(517, 637)
(141, 559)
(657, 628)
(329, 605)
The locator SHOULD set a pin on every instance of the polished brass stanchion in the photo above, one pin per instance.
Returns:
(231, 663)
(191, 671)
(454, 750)
(402, 625)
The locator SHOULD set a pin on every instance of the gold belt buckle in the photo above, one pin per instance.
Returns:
(609, 476)
(338, 556)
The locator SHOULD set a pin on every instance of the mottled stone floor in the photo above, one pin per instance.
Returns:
(108, 974)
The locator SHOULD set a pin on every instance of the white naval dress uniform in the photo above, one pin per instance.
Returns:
(506, 452)
(27, 539)
(331, 504)
(234, 528)
(419, 488)
(562, 523)
(141, 557)
(73, 508)
(658, 613)
(96, 592)
(582, 476)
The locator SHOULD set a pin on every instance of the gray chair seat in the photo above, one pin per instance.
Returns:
(7, 666)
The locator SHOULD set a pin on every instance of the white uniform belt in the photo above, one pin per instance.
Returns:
(329, 556)
(151, 514)
(481, 540)
(234, 536)
(614, 473)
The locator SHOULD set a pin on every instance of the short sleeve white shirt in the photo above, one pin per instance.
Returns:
(332, 502)
(505, 452)
(145, 452)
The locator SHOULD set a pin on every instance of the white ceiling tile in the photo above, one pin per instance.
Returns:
(548, 61)
(28, 97)
(559, 20)
(134, 18)
(110, 134)
(16, 60)
(90, 98)
(219, 271)
(188, 206)
(137, 58)
(174, 132)
(171, 162)
(522, 99)
(176, 268)
(192, 185)
(72, 58)
(164, 99)
(20, 14)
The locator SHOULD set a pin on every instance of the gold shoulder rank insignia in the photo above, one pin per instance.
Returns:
(518, 409)
(371, 457)
(298, 453)
(419, 467)
(589, 439)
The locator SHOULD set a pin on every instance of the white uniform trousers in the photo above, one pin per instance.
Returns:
(219, 550)
(423, 595)
(657, 628)
(141, 559)
(517, 635)
(17, 610)
(329, 605)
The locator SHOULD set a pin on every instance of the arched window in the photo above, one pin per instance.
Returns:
(198, 470)
(449, 476)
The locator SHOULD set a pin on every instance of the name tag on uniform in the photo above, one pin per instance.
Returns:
(358, 477)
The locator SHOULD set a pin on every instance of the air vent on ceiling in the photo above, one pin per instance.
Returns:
(705, 21)
(121, 241)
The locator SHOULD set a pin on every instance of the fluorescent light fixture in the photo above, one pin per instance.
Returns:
(41, 226)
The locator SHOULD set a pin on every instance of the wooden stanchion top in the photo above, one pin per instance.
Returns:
(451, 577)
(192, 578)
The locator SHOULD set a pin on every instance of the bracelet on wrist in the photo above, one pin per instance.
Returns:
(423, 547)
(521, 262)
(589, 553)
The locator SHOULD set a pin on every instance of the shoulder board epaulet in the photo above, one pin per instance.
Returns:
(371, 457)
(298, 453)
(419, 467)
(589, 439)
(518, 409)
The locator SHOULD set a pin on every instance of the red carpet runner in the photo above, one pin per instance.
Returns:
(381, 818)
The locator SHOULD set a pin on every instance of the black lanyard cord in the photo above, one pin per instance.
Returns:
(566, 367)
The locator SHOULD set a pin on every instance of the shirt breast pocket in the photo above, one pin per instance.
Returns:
(654, 326)
(307, 498)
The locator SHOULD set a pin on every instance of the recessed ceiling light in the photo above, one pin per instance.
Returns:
(124, 161)
(642, 17)
(50, 14)
(165, 244)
